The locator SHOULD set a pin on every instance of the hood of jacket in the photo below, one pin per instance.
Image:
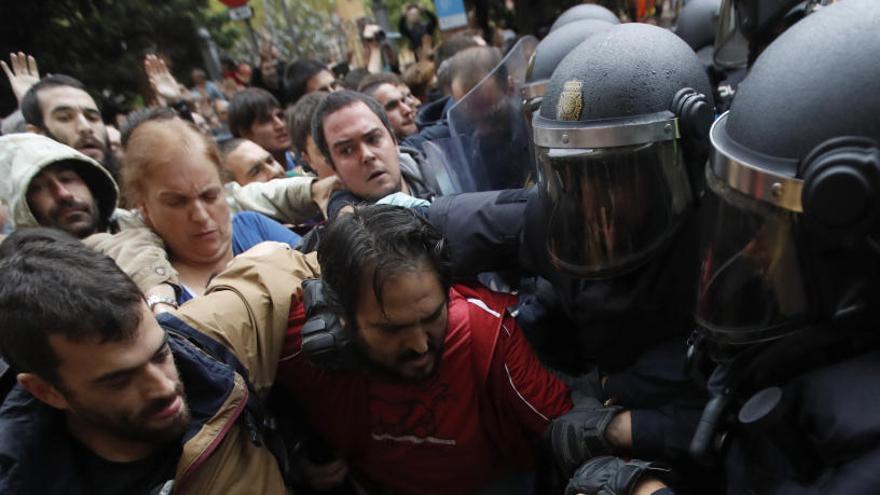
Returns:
(23, 156)
(434, 112)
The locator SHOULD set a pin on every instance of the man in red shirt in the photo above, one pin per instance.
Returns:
(440, 393)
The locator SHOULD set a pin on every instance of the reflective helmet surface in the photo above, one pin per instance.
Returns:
(559, 43)
(609, 143)
(631, 69)
(794, 184)
(550, 51)
(584, 11)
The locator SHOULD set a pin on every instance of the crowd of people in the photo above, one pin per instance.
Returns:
(622, 259)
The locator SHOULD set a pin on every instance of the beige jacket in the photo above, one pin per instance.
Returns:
(245, 308)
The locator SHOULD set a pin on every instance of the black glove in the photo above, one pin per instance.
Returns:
(579, 434)
(325, 341)
(610, 476)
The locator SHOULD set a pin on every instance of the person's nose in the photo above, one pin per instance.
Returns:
(199, 212)
(82, 125)
(278, 122)
(367, 154)
(416, 340)
(158, 383)
(60, 192)
(406, 109)
(274, 170)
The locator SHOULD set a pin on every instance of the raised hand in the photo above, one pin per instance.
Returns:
(23, 73)
(163, 83)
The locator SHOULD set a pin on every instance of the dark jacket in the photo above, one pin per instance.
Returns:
(825, 441)
(432, 124)
(415, 32)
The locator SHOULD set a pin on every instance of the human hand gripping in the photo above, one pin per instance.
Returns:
(321, 190)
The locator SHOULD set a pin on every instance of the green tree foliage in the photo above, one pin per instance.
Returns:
(102, 42)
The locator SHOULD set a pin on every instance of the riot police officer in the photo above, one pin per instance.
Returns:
(622, 136)
(788, 289)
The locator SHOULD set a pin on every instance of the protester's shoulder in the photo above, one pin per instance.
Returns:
(481, 297)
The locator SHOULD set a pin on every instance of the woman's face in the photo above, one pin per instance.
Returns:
(183, 202)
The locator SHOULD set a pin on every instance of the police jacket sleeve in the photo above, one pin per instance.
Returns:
(287, 200)
(246, 308)
(483, 229)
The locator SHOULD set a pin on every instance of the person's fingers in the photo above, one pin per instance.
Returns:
(6, 69)
(148, 64)
(32, 66)
(17, 66)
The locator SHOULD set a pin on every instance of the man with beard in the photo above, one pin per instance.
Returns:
(59, 107)
(110, 400)
(56, 186)
(437, 380)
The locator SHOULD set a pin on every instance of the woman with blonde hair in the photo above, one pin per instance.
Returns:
(172, 176)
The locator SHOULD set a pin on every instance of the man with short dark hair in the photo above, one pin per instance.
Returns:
(307, 76)
(244, 161)
(256, 115)
(59, 107)
(438, 380)
(353, 132)
(398, 108)
(110, 400)
(299, 126)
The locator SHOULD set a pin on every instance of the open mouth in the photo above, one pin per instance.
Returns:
(375, 175)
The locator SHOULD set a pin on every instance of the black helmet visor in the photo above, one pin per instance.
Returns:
(751, 282)
(609, 209)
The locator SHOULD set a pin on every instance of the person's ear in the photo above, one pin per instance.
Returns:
(145, 213)
(44, 391)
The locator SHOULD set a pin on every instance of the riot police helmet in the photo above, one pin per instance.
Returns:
(746, 27)
(696, 26)
(792, 210)
(550, 51)
(611, 146)
(584, 11)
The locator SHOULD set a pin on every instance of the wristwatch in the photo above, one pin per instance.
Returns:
(157, 299)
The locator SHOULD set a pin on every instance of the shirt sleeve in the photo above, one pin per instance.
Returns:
(274, 231)
(250, 229)
(285, 200)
